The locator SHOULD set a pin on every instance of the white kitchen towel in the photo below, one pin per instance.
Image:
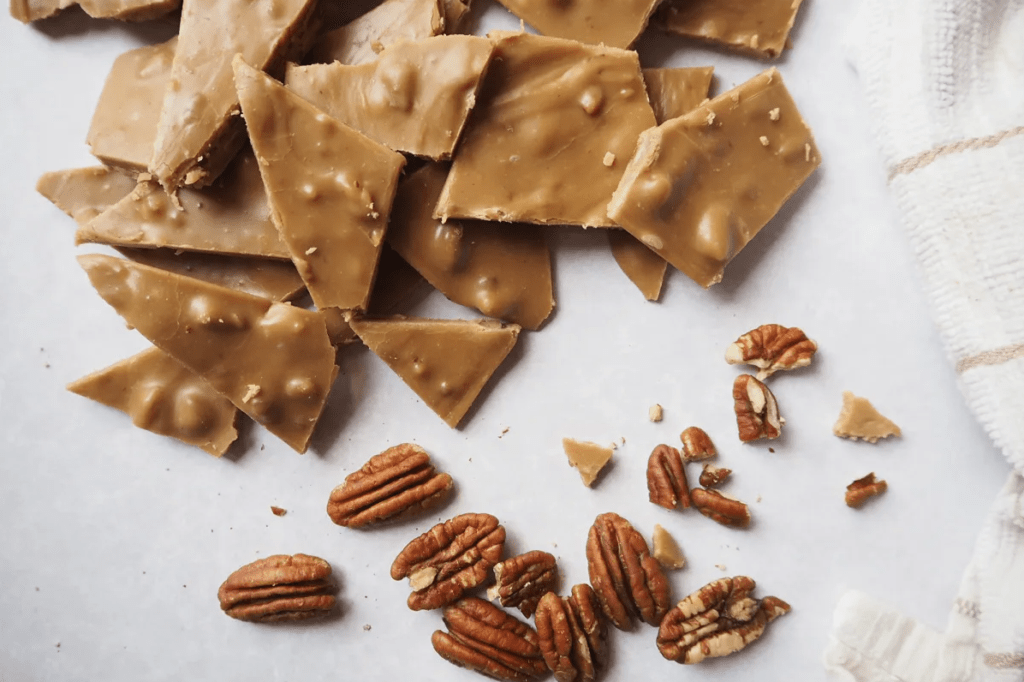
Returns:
(944, 81)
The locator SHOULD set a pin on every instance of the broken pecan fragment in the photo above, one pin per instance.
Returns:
(719, 619)
(861, 490)
(279, 588)
(712, 476)
(449, 559)
(486, 639)
(522, 580)
(571, 634)
(666, 478)
(627, 580)
(770, 348)
(718, 507)
(394, 482)
(697, 445)
(757, 413)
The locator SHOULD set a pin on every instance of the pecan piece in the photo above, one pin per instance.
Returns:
(717, 620)
(522, 580)
(279, 588)
(396, 481)
(861, 490)
(571, 634)
(757, 413)
(770, 348)
(697, 445)
(719, 507)
(666, 478)
(712, 476)
(449, 559)
(486, 639)
(627, 580)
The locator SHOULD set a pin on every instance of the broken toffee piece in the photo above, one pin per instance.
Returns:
(645, 268)
(271, 360)
(413, 98)
(674, 92)
(84, 193)
(757, 26)
(701, 186)
(393, 21)
(125, 10)
(123, 125)
(199, 131)
(504, 271)
(587, 458)
(232, 216)
(162, 396)
(330, 188)
(615, 23)
(860, 419)
(446, 362)
(550, 104)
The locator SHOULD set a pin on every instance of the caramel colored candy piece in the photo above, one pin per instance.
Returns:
(757, 26)
(330, 188)
(124, 124)
(125, 10)
(503, 271)
(394, 21)
(615, 23)
(277, 280)
(199, 131)
(549, 112)
(674, 92)
(701, 186)
(84, 193)
(413, 98)
(271, 360)
(860, 419)
(644, 268)
(231, 217)
(666, 549)
(455, 12)
(162, 396)
(587, 458)
(446, 362)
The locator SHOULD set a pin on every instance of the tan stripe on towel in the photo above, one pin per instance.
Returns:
(925, 158)
(991, 357)
(1004, 661)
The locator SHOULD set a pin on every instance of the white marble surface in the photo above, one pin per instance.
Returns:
(114, 541)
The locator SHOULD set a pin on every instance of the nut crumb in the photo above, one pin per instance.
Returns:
(735, 97)
(655, 413)
(609, 159)
(754, 41)
(252, 390)
(711, 118)
(310, 251)
(504, 431)
(278, 511)
(377, 47)
(807, 151)
(367, 628)
(764, 141)
(720, 567)
(774, 114)
(758, 499)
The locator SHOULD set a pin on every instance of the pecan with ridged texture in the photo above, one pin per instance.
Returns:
(484, 638)
(719, 507)
(711, 476)
(522, 580)
(449, 559)
(392, 483)
(770, 348)
(666, 478)
(757, 412)
(279, 588)
(861, 490)
(718, 619)
(627, 580)
(571, 632)
(697, 445)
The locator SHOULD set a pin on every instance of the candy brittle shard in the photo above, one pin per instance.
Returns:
(760, 27)
(860, 419)
(84, 193)
(674, 92)
(393, 21)
(615, 23)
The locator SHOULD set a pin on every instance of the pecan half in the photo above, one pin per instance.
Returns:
(757, 413)
(522, 580)
(486, 639)
(627, 580)
(717, 620)
(770, 348)
(861, 490)
(712, 476)
(449, 559)
(697, 445)
(396, 481)
(571, 634)
(718, 507)
(279, 588)
(666, 478)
